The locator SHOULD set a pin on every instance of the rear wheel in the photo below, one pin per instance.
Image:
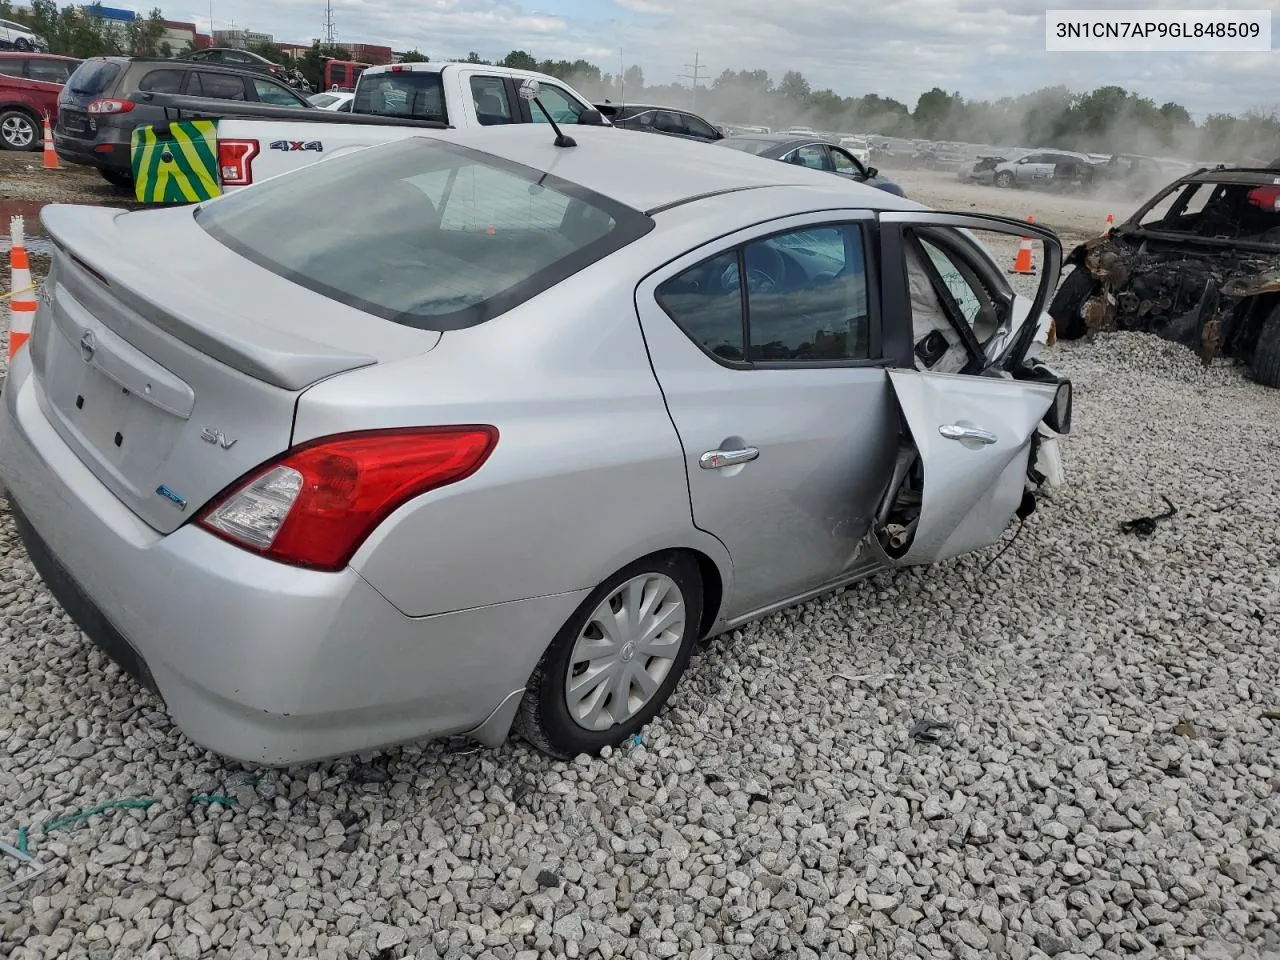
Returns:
(1004, 179)
(22, 44)
(1065, 308)
(116, 177)
(18, 130)
(1266, 352)
(611, 668)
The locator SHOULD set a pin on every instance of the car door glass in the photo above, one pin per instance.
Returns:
(162, 81)
(269, 93)
(11, 68)
(220, 86)
(49, 71)
(705, 301)
(668, 121)
(813, 156)
(559, 104)
(945, 289)
(697, 127)
(807, 295)
(845, 164)
(492, 104)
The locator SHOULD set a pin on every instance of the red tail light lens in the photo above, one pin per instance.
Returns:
(318, 503)
(109, 106)
(235, 162)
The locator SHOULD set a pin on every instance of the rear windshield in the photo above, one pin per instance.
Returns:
(94, 76)
(422, 232)
(407, 93)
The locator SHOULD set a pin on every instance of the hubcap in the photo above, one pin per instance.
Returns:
(625, 651)
(17, 132)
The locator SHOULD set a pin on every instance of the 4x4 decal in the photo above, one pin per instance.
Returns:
(291, 145)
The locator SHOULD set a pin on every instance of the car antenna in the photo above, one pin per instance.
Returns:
(529, 91)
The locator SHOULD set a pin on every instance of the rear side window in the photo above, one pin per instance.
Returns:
(408, 93)
(492, 104)
(50, 71)
(422, 232)
(94, 77)
(162, 81)
(218, 85)
(11, 68)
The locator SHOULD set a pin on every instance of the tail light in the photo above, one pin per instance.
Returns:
(318, 503)
(235, 162)
(108, 105)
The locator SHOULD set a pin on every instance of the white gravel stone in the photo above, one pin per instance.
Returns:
(1113, 788)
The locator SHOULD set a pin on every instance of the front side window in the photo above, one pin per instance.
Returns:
(11, 68)
(492, 104)
(804, 292)
(406, 93)
(422, 232)
(562, 107)
(270, 93)
(846, 164)
(697, 127)
(812, 156)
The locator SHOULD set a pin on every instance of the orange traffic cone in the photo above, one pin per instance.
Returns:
(1024, 262)
(1111, 222)
(50, 154)
(22, 299)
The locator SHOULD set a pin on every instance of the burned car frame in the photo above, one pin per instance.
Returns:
(1199, 264)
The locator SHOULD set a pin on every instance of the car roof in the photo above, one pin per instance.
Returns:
(436, 66)
(1248, 176)
(34, 55)
(651, 173)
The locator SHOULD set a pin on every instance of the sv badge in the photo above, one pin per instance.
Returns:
(210, 435)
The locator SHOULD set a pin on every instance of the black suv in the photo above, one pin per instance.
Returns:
(655, 119)
(96, 118)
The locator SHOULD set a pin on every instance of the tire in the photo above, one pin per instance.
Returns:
(22, 44)
(546, 719)
(1003, 179)
(18, 131)
(116, 178)
(1065, 308)
(1266, 352)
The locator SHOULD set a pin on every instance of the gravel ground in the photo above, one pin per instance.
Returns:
(1112, 788)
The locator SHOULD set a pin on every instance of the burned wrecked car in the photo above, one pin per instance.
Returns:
(1199, 264)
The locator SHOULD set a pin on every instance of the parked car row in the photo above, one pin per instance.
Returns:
(29, 87)
(1069, 170)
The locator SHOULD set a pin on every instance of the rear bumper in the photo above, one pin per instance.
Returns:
(256, 661)
(105, 154)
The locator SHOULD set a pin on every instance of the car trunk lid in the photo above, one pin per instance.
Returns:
(172, 365)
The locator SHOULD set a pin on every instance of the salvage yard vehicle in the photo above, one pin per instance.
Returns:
(813, 153)
(484, 428)
(657, 119)
(254, 141)
(1057, 169)
(1199, 264)
(29, 87)
(98, 109)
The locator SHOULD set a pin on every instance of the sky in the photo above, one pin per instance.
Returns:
(895, 48)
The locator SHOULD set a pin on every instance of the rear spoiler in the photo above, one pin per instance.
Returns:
(210, 108)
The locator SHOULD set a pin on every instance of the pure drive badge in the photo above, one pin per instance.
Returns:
(288, 146)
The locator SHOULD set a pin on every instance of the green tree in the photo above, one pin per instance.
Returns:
(519, 60)
(633, 79)
(413, 56)
(271, 52)
(794, 87)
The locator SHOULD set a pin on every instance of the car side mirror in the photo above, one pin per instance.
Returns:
(590, 118)
(1058, 419)
(872, 173)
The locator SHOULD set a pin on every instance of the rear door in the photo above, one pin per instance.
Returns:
(973, 426)
(767, 347)
(218, 85)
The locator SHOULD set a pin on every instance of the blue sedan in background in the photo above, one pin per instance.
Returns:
(814, 153)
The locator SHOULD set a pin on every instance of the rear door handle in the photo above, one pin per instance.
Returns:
(953, 431)
(715, 459)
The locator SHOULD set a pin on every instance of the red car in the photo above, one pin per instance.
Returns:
(29, 88)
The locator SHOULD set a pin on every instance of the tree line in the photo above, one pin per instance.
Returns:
(1107, 119)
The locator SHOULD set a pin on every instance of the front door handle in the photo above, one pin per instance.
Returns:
(953, 431)
(715, 459)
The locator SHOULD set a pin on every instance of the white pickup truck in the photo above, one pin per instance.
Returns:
(255, 141)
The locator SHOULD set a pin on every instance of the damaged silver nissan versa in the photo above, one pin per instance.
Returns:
(1198, 264)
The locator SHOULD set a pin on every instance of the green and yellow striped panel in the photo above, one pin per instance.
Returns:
(182, 168)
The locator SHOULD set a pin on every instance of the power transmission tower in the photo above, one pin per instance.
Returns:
(329, 37)
(696, 73)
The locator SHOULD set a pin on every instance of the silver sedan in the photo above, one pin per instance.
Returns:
(473, 432)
